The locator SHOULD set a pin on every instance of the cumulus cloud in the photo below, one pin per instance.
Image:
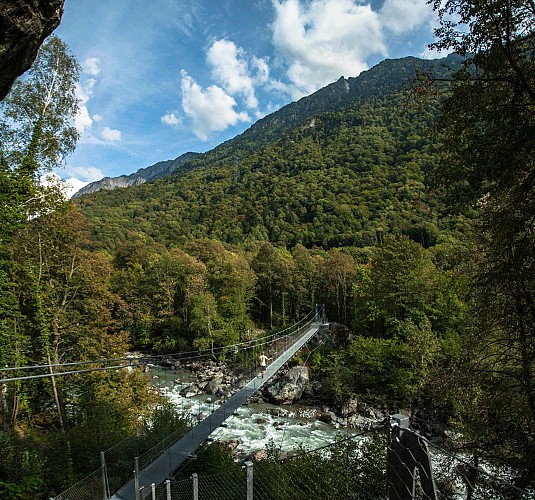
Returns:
(400, 16)
(67, 186)
(72, 186)
(110, 134)
(261, 68)
(230, 68)
(92, 66)
(324, 40)
(210, 109)
(77, 178)
(171, 119)
(321, 40)
(82, 120)
(97, 118)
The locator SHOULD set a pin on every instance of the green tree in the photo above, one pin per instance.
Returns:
(488, 135)
(36, 132)
(337, 274)
(273, 271)
(230, 279)
(306, 280)
(37, 128)
(399, 284)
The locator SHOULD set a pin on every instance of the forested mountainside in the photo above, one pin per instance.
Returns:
(339, 168)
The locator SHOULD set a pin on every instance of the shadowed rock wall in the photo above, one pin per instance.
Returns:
(24, 24)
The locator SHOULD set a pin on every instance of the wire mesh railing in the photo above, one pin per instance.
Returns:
(152, 453)
(91, 487)
(360, 468)
(419, 469)
(223, 486)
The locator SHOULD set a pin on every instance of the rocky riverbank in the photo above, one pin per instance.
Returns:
(292, 388)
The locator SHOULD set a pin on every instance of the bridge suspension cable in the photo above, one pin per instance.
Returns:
(146, 359)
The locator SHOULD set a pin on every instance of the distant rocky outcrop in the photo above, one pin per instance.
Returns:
(24, 24)
(154, 172)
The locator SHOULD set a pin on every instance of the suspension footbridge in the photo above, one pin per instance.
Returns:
(410, 462)
(179, 452)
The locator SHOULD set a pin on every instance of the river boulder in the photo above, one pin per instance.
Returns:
(290, 387)
(214, 385)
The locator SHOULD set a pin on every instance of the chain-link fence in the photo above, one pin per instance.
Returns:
(361, 468)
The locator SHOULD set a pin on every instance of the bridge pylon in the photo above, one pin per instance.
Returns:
(320, 315)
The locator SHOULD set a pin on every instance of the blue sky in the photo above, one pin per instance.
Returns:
(164, 77)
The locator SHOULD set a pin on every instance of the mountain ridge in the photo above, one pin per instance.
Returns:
(385, 77)
(140, 176)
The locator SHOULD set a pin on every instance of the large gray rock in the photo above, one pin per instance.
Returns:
(214, 385)
(289, 388)
(24, 25)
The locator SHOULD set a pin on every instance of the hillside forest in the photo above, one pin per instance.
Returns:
(408, 210)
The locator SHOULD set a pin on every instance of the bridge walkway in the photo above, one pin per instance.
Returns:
(162, 468)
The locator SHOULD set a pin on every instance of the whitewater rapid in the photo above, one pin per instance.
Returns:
(256, 426)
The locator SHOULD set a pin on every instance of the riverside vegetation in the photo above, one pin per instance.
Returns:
(407, 209)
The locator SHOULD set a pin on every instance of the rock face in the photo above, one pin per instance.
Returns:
(290, 387)
(24, 24)
(156, 171)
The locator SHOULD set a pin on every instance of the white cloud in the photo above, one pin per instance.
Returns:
(260, 65)
(84, 92)
(325, 39)
(97, 118)
(89, 174)
(110, 134)
(68, 187)
(170, 119)
(78, 178)
(82, 120)
(92, 66)
(210, 109)
(400, 16)
(230, 68)
(322, 40)
(73, 185)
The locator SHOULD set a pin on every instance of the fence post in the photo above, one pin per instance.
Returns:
(406, 453)
(195, 479)
(105, 495)
(250, 484)
(153, 491)
(136, 477)
(168, 489)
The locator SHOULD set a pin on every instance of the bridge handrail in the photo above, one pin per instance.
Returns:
(140, 360)
(251, 343)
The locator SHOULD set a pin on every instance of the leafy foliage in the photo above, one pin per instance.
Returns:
(487, 130)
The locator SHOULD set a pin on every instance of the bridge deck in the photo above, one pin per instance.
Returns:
(177, 453)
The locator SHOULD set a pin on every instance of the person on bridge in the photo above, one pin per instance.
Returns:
(262, 361)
